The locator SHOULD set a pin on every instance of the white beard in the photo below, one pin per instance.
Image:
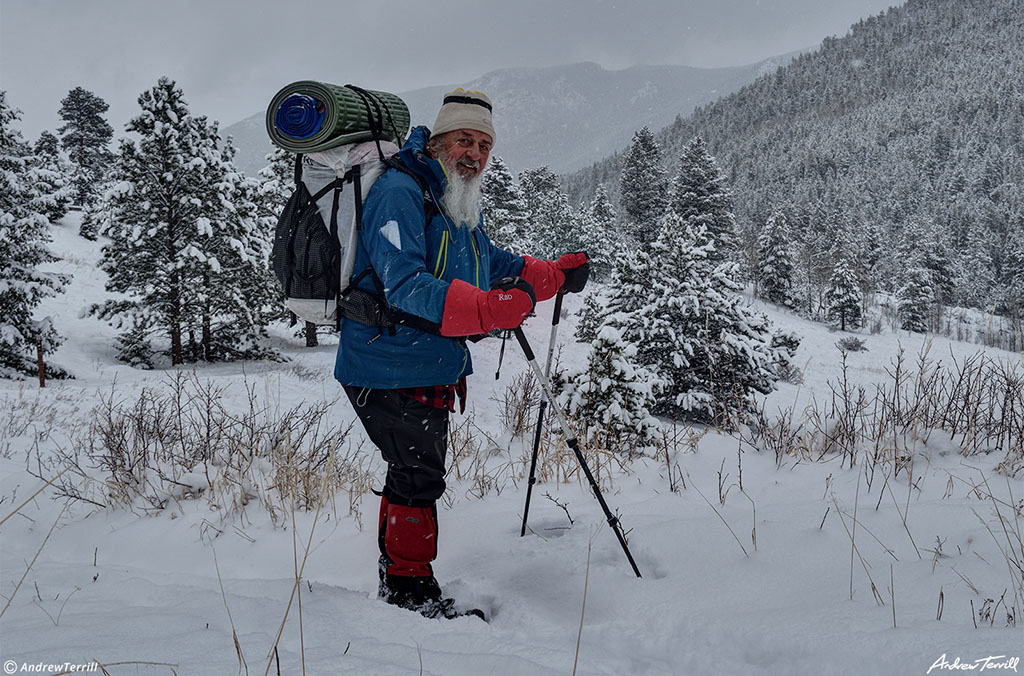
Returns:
(461, 201)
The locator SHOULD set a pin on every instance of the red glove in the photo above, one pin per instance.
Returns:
(469, 311)
(547, 277)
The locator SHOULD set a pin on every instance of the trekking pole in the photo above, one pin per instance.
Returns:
(571, 441)
(540, 413)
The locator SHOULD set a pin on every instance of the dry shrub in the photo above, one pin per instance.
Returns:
(978, 402)
(182, 441)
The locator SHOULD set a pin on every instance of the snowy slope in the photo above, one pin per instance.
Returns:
(137, 586)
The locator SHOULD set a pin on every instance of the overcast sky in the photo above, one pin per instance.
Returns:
(231, 56)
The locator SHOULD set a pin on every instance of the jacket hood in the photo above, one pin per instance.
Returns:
(413, 155)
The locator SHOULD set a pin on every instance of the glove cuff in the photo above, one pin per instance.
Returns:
(545, 278)
(461, 314)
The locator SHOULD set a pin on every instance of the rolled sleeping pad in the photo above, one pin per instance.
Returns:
(308, 116)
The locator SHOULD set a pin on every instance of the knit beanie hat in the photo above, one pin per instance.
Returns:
(464, 109)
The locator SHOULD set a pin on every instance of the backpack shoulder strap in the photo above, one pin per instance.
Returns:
(430, 209)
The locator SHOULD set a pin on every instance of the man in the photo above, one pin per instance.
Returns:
(432, 259)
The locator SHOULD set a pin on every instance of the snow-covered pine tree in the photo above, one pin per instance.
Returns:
(643, 187)
(1012, 285)
(874, 247)
(51, 178)
(505, 211)
(629, 291)
(775, 262)
(843, 297)
(914, 299)
(590, 315)
(24, 234)
(619, 304)
(937, 259)
(554, 228)
(924, 244)
(92, 216)
(711, 351)
(974, 277)
(171, 220)
(599, 234)
(86, 136)
(613, 396)
(699, 195)
(237, 302)
(815, 242)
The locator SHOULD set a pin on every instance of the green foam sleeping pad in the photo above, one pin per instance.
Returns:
(323, 116)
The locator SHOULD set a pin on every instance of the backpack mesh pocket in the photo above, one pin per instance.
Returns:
(364, 307)
(306, 253)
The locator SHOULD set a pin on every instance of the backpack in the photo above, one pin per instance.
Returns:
(317, 235)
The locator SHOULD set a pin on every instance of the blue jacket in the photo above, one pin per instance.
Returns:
(415, 263)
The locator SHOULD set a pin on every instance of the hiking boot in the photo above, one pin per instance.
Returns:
(382, 571)
(422, 595)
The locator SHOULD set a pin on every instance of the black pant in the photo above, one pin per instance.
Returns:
(412, 438)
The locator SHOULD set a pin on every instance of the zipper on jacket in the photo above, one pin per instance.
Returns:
(465, 357)
(442, 255)
(476, 255)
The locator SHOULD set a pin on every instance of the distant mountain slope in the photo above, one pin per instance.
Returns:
(915, 116)
(562, 116)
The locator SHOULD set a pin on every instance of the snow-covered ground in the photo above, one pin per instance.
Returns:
(767, 583)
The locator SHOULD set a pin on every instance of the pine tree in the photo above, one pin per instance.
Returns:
(710, 350)
(51, 178)
(629, 293)
(91, 224)
(599, 234)
(235, 305)
(554, 228)
(699, 194)
(612, 396)
(1013, 276)
(505, 211)
(974, 271)
(185, 248)
(814, 254)
(643, 187)
(86, 137)
(24, 234)
(775, 262)
(914, 299)
(591, 316)
(843, 298)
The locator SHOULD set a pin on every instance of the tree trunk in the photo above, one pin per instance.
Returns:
(40, 363)
(207, 330)
(176, 351)
(175, 293)
(207, 338)
(311, 340)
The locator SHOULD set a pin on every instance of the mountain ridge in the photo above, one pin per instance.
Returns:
(566, 116)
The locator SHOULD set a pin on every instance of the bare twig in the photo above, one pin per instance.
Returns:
(32, 563)
(234, 634)
(583, 610)
(41, 489)
(720, 517)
